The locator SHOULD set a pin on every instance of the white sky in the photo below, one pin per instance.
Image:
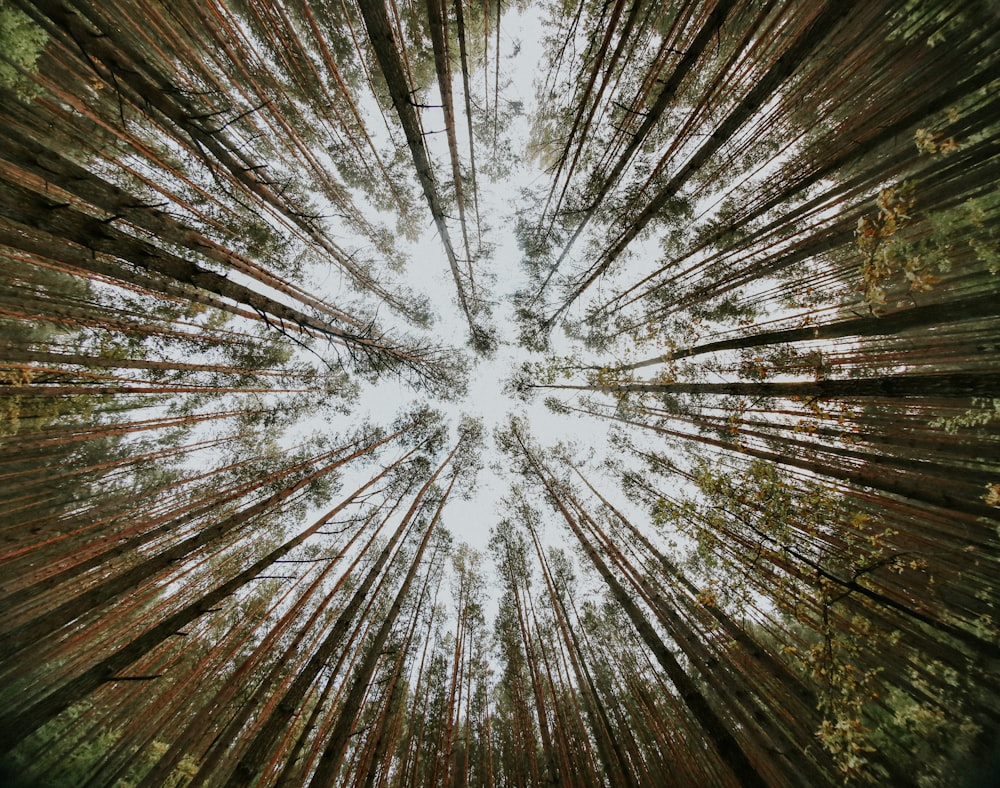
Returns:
(427, 273)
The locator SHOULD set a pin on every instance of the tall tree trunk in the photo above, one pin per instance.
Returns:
(336, 748)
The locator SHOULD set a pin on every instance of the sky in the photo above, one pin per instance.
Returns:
(427, 273)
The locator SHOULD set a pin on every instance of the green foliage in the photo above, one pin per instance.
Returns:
(983, 413)
(21, 44)
(756, 532)
(884, 254)
(934, 22)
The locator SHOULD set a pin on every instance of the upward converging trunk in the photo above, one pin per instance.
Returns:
(609, 747)
(387, 49)
(969, 308)
(50, 165)
(958, 385)
(14, 727)
(437, 18)
(467, 91)
(260, 747)
(808, 39)
(336, 748)
(651, 116)
(762, 655)
(728, 747)
(69, 235)
(868, 474)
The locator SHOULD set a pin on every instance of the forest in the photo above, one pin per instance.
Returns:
(500, 393)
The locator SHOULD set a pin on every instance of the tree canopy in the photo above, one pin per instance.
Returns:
(499, 394)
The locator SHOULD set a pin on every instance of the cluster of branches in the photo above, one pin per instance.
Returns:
(769, 149)
(390, 39)
(216, 574)
(121, 172)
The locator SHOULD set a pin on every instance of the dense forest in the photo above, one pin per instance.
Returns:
(730, 514)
